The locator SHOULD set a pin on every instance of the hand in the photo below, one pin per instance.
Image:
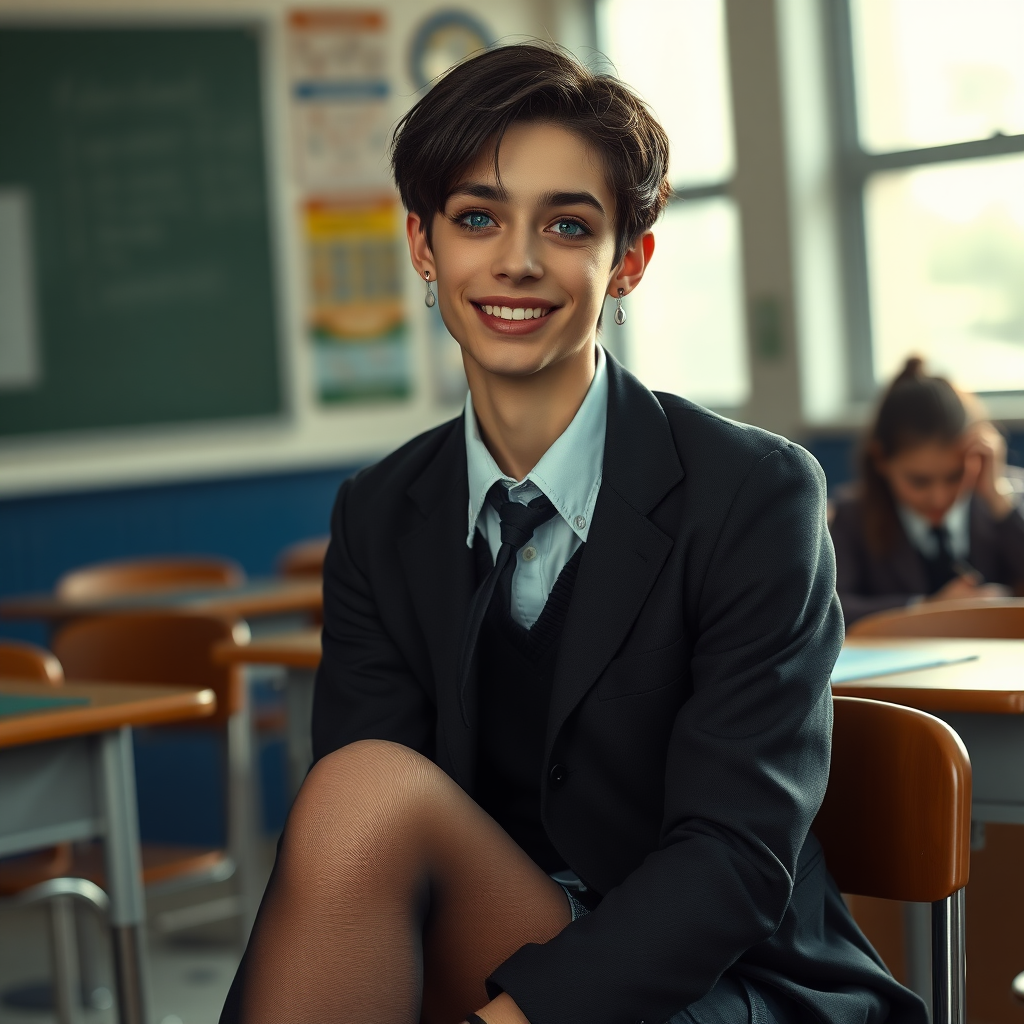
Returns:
(502, 1010)
(985, 468)
(966, 587)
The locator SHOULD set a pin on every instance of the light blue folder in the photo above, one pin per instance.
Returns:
(868, 662)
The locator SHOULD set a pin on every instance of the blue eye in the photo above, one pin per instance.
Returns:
(569, 229)
(476, 221)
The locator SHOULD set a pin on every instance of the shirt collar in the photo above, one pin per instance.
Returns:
(956, 521)
(569, 472)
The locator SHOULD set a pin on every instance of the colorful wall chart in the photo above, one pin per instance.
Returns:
(357, 318)
(352, 221)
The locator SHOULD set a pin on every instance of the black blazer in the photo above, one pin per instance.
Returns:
(691, 708)
(872, 583)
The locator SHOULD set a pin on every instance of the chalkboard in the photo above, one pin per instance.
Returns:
(136, 157)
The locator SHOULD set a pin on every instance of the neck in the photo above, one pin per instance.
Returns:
(520, 418)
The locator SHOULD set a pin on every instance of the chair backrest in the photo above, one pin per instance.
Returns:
(27, 661)
(896, 818)
(306, 558)
(141, 575)
(174, 648)
(969, 618)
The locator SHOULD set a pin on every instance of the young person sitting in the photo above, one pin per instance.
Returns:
(573, 715)
(934, 516)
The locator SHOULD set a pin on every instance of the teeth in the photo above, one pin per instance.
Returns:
(516, 313)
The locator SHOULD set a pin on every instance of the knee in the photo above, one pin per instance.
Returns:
(372, 781)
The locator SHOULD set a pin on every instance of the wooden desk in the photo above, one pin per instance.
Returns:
(299, 653)
(68, 773)
(982, 699)
(256, 599)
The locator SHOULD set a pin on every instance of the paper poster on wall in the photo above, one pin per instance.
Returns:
(357, 320)
(341, 113)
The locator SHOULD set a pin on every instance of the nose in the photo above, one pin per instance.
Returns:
(518, 257)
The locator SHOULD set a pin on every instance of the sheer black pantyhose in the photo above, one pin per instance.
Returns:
(393, 898)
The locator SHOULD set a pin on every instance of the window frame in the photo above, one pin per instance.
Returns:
(854, 169)
(724, 187)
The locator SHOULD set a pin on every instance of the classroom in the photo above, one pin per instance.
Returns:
(712, 314)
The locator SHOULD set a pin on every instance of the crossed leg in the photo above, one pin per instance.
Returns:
(393, 898)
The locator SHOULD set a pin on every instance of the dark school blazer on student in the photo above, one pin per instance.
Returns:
(874, 583)
(689, 729)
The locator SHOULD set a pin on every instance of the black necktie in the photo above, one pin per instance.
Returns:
(940, 565)
(517, 525)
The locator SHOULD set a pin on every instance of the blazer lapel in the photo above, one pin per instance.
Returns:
(440, 573)
(625, 551)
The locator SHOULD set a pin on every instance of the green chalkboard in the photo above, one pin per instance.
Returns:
(139, 157)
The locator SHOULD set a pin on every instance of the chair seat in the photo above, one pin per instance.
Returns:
(160, 862)
(22, 872)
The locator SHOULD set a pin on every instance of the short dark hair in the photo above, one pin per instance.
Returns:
(477, 101)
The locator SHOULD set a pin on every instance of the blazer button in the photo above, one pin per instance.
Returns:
(558, 774)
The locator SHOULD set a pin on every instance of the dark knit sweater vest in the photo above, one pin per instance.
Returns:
(515, 675)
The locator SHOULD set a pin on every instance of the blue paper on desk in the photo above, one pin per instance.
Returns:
(868, 662)
(18, 704)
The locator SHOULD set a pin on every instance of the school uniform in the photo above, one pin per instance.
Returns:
(677, 749)
(923, 558)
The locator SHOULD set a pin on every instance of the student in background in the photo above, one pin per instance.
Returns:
(934, 517)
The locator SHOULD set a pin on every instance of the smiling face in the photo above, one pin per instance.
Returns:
(926, 478)
(523, 265)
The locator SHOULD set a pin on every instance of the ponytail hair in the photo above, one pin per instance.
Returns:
(916, 409)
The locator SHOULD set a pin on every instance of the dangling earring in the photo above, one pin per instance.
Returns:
(428, 299)
(620, 313)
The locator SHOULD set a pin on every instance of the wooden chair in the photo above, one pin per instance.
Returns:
(306, 558)
(985, 617)
(43, 876)
(895, 824)
(175, 648)
(142, 575)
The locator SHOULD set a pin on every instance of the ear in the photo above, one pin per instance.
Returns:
(631, 268)
(419, 248)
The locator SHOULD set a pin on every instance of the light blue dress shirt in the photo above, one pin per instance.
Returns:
(569, 474)
(956, 521)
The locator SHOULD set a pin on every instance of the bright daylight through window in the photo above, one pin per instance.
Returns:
(685, 328)
(939, 89)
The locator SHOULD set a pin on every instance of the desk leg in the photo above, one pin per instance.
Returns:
(243, 834)
(299, 703)
(116, 784)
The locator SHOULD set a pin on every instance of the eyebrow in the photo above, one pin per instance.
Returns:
(496, 194)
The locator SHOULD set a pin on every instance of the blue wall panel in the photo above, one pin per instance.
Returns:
(249, 519)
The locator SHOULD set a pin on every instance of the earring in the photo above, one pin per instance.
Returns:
(428, 299)
(620, 313)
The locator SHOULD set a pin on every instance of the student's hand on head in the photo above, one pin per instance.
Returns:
(967, 587)
(985, 468)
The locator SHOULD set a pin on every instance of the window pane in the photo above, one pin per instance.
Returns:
(674, 55)
(685, 320)
(930, 72)
(946, 259)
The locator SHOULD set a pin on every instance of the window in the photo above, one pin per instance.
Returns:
(932, 124)
(684, 331)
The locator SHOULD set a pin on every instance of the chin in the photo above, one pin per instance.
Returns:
(510, 358)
